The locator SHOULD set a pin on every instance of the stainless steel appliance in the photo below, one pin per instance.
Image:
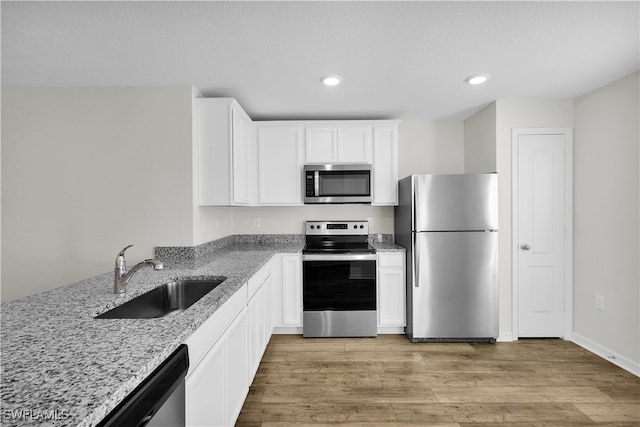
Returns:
(337, 183)
(449, 225)
(159, 400)
(338, 280)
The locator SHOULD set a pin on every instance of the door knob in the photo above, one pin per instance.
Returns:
(525, 247)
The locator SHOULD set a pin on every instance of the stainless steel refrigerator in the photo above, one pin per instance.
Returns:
(449, 226)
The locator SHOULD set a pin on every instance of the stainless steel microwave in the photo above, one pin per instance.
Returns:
(337, 183)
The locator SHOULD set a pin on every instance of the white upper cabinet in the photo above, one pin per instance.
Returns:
(280, 162)
(321, 145)
(354, 144)
(338, 144)
(385, 165)
(225, 135)
(241, 162)
(242, 170)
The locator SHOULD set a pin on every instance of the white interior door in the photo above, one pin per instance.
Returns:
(540, 234)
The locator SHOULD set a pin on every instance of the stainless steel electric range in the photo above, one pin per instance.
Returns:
(339, 280)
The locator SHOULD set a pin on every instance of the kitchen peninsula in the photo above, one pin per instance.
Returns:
(63, 367)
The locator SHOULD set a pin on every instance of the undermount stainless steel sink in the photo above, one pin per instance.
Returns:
(166, 299)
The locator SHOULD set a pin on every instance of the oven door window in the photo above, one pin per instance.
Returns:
(339, 285)
(344, 183)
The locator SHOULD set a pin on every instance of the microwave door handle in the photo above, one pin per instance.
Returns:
(316, 183)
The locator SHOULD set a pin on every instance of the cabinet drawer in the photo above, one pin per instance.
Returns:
(208, 333)
(391, 260)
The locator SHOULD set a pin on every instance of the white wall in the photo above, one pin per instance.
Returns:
(430, 147)
(607, 217)
(480, 141)
(86, 171)
(517, 114)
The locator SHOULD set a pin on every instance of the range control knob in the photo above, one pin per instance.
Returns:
(313, 226)
(361, 226)
(355, 226)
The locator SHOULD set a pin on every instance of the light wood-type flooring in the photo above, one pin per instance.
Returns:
(387, 381)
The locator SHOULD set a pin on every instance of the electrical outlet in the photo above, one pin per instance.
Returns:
(599, 302)
(256, 222)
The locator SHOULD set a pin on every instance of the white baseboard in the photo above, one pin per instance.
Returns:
(398, 330)
(607, 354)
(296, 330)
(505, 336)
(287, 330)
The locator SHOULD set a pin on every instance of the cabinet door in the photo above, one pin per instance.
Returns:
(280, 163)
(268, 312)
(257, 327)
(354, 144)
(321, 145)
(291, 290)
(237, 366)
(240, 158)
(385, 165)
(206, 390)
(214, 152)
(391, 290)
(225, 172)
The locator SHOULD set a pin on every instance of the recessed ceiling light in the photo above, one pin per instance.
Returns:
(477, 79)
(331, 80)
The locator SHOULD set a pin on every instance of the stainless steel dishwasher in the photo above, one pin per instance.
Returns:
(159, 400)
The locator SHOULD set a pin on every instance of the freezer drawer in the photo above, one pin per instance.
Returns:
(454, 286)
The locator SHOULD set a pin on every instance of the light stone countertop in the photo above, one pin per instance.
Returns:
(62, 367)
(387, 247)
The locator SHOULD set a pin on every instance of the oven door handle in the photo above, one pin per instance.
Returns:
(340, 257)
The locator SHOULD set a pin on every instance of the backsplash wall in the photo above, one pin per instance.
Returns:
(218, 222)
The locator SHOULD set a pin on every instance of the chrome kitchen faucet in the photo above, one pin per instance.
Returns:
(122, 276)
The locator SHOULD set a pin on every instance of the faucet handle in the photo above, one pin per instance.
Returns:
(120, 262)
(122, 251)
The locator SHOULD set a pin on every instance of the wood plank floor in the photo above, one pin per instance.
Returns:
(387, 381)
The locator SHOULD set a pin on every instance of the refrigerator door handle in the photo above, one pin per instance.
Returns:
(415, 271)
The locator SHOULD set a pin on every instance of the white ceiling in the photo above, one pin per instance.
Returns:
(405, 60)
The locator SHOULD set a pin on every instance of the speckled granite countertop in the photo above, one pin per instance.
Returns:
(387, 247)
(62, 367)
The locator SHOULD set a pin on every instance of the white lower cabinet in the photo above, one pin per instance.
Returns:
(238, 378)
(391, 292)
(287, 294)
(225, 352)
(260, 324)
(215, 390)
(206, 389)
